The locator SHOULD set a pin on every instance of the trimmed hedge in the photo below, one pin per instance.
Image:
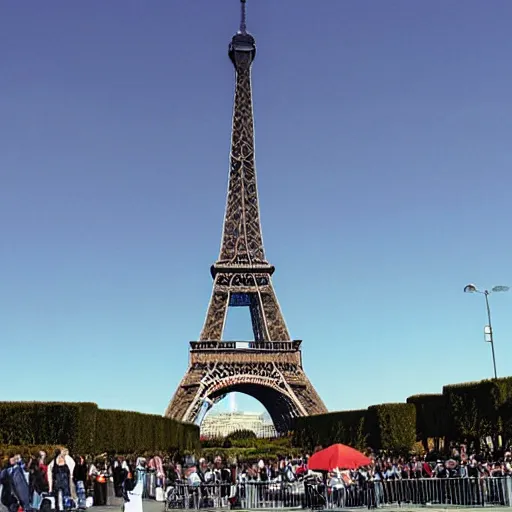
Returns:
(383, 427)
(243, 435)
(346, 427)
(251, 449)
(431, 416)
(48, 423)
(464, 412)
(84, 428)
(250, 455)
(392, 427)
(479, 409)
(136, 432)
(506, 419)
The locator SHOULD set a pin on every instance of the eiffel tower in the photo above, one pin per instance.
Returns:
(269, 368)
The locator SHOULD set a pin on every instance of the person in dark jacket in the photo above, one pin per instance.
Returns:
(8, 497)
(128, 485)
(80, 477)
(37, 481)
(119, 473)
(80, 473)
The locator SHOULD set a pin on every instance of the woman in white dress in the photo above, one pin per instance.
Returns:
(132, 492)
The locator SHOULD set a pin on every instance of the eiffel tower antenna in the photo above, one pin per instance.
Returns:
(243, 17)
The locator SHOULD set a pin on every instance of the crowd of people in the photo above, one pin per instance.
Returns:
(24, 483)
(460, 479)
(387, 467)
(388, 479)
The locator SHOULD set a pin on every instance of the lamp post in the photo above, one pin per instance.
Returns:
(471, 288)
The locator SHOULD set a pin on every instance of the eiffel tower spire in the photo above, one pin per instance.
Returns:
(242, 241)
(242, 274)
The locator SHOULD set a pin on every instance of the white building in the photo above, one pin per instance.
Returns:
(223, 424)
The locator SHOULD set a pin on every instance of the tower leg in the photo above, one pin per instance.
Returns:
(216, 315)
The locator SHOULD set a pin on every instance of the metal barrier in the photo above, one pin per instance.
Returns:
(247, 495)
(459, 492)
(184, 496)
(254, 495)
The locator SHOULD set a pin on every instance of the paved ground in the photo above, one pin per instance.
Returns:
(153, 506)
(147, 505)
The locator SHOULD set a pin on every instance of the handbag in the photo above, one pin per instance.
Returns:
(36, 500)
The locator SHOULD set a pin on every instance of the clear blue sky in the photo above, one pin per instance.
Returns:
(383, 134)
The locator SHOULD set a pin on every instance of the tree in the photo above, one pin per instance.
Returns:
(243, 434)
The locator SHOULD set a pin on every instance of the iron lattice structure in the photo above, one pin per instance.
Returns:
(270, 367)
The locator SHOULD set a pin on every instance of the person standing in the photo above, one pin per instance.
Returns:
(120, 471)
(8, 496)
(80, 474)
(61, 481)
(38, 482)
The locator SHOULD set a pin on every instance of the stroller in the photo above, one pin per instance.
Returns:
(176, 496)
(315, 496)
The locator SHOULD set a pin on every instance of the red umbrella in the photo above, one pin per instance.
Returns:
(337, 456)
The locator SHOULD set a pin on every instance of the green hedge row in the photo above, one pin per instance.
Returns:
(251, 455)
(479, 409)
(383, 427)
(463, 412)
(347, 427)
(466, 412)
(51, 423)
(249, 449)
(133, 431)
(84, 428)
(431, 416)
(392, 427)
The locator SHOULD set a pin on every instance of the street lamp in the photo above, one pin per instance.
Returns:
(471, 288)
